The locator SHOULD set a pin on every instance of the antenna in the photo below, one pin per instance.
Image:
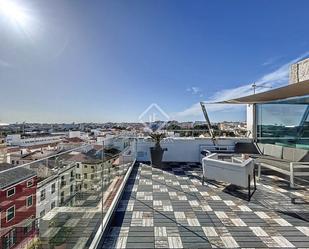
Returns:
(254, 86)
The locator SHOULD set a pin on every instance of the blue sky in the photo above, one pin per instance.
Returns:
(109, 60)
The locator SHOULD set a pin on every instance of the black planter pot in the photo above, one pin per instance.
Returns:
(156, 156)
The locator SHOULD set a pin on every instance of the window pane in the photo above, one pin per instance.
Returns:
(283, 124)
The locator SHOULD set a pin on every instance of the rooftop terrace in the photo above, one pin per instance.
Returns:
(170, 208)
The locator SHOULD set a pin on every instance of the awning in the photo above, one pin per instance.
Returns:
(290, 91)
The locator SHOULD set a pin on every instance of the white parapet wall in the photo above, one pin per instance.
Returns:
(183, 149)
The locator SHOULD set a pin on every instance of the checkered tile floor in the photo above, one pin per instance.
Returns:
(171, 209)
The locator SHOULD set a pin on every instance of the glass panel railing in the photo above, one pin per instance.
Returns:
(60, 201)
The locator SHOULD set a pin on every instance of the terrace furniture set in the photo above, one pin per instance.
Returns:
(240, 171)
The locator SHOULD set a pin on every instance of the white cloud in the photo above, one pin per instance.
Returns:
(195, 90)
(273, 79)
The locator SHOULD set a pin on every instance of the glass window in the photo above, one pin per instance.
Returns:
(53, 205)
(28, 228)
(29, 201)
(29, 183)
(10, 239)
(85, 175)
(10, 213)
(285, 124)
(62, 181)
(43, 195)
(10, 192)
(62, 198)
(53, 188)
(42, 213)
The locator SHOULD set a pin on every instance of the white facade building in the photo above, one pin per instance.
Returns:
(17, 140)
(46, 195)
(74, 134)
(55, 190)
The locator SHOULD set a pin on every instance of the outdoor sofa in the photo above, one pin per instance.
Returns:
(286, 160)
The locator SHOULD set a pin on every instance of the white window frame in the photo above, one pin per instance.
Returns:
(27, 201)
(6, 218)
(31, 183)
(10, 237)
(7, 192)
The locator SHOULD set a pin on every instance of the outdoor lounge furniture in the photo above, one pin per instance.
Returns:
(231, 169)
(289, 161)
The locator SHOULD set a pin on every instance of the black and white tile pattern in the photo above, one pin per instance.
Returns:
(170, 208)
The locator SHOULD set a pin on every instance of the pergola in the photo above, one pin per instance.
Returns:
(297, 93)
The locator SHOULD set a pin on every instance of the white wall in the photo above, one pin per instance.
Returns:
(181, 149)
(250, 119)
(18, 141)
(74, 134)
(14, 139)
(49, 197)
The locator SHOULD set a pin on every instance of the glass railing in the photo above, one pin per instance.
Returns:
(60, 201)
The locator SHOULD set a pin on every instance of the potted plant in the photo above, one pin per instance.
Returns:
(157, 151)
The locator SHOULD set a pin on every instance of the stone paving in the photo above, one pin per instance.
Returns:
(170, 208)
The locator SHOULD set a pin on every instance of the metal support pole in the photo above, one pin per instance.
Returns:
(208, 122)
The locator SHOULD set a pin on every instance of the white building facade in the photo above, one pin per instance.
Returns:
(18, 140)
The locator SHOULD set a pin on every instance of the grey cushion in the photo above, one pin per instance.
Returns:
(273, 150)
(295, 155)
(276, 162)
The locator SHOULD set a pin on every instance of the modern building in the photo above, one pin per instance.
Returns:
(17, 206)
(19, 140)
(280, 116)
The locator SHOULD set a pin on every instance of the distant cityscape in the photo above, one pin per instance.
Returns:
(90, 131)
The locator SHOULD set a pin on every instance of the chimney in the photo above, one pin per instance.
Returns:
(299, 71)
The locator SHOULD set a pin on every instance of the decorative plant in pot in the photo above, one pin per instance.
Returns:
(157, 151)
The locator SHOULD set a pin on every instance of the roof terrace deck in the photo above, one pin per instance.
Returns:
(170, 208)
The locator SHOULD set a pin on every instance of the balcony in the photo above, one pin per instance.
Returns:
(136, 205)
(170, 208)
